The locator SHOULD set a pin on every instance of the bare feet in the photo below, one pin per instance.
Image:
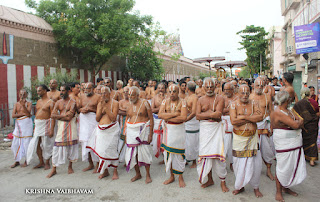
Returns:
(40, 165)
(312, 163)
(194, 164)
(289, 191)
(70, 170)
(90, 167)
(105, 174)
(15, 164)
(169, 181)
(224, 187)
(279, 197)
(148, 180)
(94, 171)
(231, 167)
(47, 166)
(208, 183)
(257, 193)
(269, 174)
(181, 182)
(161, 162)
(235, 192)
(52, 173)
(115, 175)
(137, 177)
(24, 165)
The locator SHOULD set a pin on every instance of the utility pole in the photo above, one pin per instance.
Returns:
(260, 64)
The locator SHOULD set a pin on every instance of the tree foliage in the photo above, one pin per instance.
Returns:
(255, 43)
(143, 62)
(62, 78)
(94, 30)
(245, 72)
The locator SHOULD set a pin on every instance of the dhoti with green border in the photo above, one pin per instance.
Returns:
(173, 143)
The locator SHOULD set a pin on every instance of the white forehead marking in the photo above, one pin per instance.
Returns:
(130, 91)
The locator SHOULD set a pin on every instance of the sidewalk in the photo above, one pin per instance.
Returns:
(14, 183)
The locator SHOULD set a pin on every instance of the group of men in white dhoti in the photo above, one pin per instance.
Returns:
(206, 126)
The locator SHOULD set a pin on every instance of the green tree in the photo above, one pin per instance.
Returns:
(94, 30)
(245, 72)
(143, 62)
(255, 43)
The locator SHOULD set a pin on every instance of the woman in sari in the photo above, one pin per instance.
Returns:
(308, 109)
(312, 93)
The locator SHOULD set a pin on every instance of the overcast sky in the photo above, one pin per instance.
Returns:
(205, 26)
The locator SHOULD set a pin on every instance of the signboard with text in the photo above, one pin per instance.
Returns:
(307, 38)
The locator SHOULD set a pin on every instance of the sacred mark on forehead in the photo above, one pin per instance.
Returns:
(172, 87)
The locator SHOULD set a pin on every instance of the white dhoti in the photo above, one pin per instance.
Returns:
(291, 165)
(265, 142)
(87, 124)
(137, 144)
(104, 143)
(211, 150)
(247, 162)
(228, 128)
(22, 136)
(157, 136)
(66, 143)
(122, 146)
(173, 143)
(192, 139)
(41, 130)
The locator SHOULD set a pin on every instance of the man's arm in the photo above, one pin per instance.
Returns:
(163, 114)
(99, 111)
(257, 116)
(122, 111)
(182, 115)
(150, 116)
(236, 120)
(53, 121)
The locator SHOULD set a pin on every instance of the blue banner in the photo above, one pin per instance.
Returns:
(307, 38)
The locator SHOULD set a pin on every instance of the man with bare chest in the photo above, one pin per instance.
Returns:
(23, 129)
(247, 162)
(123, 108)
(142, 93)
(139, 135)
(192, 125)
(74, 94)
(113, 94)
(287, 79)
(263, 103)
(120, 89)
(43, 136)
(183, 86)
(87, 122)
(211, 145)
(104, 140)
(229, 97)
(158, 123)
(200, 90)
(66, 140)
(54, 94)
(174, 112)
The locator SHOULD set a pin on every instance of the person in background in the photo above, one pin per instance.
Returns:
(308, 109)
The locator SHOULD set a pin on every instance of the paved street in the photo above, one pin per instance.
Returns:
(14, 183)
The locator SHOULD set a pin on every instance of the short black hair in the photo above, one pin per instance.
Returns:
(44, 87)
(182, 82)
(311, 87)
(73, 84)
(99, 79)
(288, 76)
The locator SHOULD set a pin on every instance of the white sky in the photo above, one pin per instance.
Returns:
(205, 26)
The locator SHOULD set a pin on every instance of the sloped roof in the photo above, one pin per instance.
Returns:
(24, 18)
